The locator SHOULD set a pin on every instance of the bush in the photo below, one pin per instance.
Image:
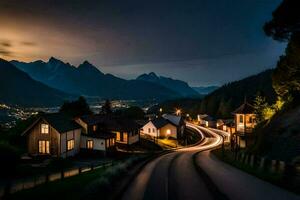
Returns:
(60, 163)
(10, 157)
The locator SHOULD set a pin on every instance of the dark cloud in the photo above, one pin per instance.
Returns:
(5, 52)
(5, 43)
(220, 33)
(27, 43)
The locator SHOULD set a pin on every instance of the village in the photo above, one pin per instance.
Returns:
(57, 135)
(97, 139)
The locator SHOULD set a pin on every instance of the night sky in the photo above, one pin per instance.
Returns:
(204, 42)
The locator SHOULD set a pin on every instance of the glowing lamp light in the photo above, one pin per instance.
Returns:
(178, 111)
(168, 132)
(160, 110)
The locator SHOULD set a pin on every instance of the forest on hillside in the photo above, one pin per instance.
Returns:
(223, 101)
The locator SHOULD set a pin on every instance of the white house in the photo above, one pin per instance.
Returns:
(160, 128)
(177, 121)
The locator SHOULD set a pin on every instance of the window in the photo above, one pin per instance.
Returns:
(168, 132)
(94, 127)
(44, 147)
(90, 144)
(241, 119)
(149, 130)
(125, 137)
(112, 142)
(153, 130)
(44, 128)
(250, 120)
(70, 144)
(118, 136)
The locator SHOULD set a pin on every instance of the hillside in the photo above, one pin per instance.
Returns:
(177, 86)
(16, 87)
(280, 138)
(225, 99)
(205, 90)
(88, 80)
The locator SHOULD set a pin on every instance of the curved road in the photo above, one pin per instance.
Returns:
(173, 175)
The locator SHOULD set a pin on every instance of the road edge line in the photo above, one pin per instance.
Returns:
(216, 192)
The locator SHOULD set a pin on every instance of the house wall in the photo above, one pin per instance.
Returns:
(64, 137)
(240, 126)
(150, 126)
(163, 132)
(82, 124)
(35, 135)
(134, 139)
(131, 137)
(99, 143)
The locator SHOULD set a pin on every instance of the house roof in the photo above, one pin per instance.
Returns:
(58, 121)
(101, 135)
(177, 120)
(161, 122)
(208, 118)
(111, 122)
(245, 108)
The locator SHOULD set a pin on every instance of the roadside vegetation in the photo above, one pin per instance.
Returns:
(91, 185)
(278, 179)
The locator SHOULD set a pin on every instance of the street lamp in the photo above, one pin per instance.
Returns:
(160, 110)
(178, 111)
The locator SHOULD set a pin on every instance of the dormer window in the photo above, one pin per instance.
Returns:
(44, 128)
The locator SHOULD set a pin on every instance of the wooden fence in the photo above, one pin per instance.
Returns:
(27, 183)
(288, 170)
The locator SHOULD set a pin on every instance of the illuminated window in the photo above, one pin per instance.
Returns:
(44, 128)
(44, 147)
(94, 127)
(70, 144)
(241, 119)
(118, 136)
(112, 142)
(125, 137)
(90, 144)
(168, 131)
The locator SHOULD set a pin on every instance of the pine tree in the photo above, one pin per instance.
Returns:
(106, 108)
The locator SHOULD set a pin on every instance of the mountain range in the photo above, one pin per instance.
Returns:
(17, 87)
(205, 90)
(88, 80)
(177, 86)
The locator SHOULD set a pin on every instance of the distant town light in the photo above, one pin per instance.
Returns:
(160, 110)
(178, 112)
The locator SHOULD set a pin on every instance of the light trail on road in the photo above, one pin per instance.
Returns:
(173, 175)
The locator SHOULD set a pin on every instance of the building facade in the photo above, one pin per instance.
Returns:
(245, 121)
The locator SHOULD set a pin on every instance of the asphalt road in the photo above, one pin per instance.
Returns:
(174, 176)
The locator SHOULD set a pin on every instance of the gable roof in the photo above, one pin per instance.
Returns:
(161, 122)
(208, 118)
(101, 135)
(111, 122)
(58, 121)
(176, 120)
(245, 108)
